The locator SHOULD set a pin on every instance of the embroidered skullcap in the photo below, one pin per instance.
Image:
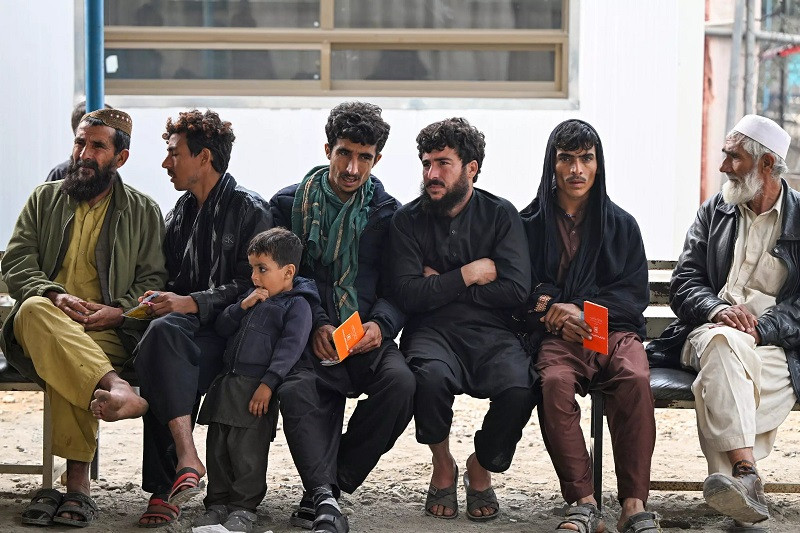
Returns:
(766, 132)
(113, 118)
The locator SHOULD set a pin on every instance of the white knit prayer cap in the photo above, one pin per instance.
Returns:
(766, 132)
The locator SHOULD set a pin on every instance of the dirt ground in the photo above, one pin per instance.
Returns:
(392, 497)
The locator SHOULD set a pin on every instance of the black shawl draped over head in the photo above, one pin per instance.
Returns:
(610, 267)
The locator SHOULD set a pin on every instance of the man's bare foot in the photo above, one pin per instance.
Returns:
(479, 479)
(119, 403)
(188, 483)
(630, 506)
(444, 473)
(77, 481)
(194, 463)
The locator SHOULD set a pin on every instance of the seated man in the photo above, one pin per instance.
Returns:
(460, 265)
(82, 250)
(208, 231)
(735, 293)
(583, 247)
(343, 203)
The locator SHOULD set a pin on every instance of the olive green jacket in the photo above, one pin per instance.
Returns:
(129, 257)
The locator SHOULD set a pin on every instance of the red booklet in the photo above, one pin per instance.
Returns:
(597, 318)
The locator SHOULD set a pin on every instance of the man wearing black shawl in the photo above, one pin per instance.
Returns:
(207, 234)
(460, 265)
(583, 247)
(341, 213)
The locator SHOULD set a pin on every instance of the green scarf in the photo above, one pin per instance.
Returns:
(330, 230)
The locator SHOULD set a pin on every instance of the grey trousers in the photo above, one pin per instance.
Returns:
(236, 462)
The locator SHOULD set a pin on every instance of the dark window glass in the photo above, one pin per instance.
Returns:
(212, 64)
(450, 14)
(213, 13)
(447, 65)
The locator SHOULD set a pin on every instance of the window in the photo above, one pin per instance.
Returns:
(445, 48)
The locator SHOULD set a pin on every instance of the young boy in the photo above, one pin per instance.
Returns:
(267, 330)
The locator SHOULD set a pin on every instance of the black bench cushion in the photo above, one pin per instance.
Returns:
(672, 384)
(9, 374)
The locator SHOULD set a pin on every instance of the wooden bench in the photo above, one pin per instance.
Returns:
(671, 389)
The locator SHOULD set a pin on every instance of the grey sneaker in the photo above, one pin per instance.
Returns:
(740, 495)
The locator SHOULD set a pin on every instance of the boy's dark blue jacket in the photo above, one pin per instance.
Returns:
(266, 341)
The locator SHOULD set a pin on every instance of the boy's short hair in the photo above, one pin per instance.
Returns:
(283, 246)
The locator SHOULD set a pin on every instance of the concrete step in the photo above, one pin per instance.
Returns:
(659, 286)
(657, 318)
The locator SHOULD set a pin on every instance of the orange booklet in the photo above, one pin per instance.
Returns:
(597, 318)
(347, 335)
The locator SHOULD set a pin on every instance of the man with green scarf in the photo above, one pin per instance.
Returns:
(342, 215)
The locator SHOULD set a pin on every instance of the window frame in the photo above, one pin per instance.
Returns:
(561, 93)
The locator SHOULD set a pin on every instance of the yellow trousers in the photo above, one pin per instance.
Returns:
(70, 361)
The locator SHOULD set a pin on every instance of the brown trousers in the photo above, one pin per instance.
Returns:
(566, 368)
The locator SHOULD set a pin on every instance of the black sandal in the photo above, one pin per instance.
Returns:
(43, 507)
(303, 516)
(586, 517)
(643, 522)
(85, 508)
(480, 498)
(446, 497)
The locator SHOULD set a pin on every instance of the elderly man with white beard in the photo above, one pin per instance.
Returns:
(735, 293)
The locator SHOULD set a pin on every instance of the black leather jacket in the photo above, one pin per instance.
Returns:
(241, 215)
(702, 270)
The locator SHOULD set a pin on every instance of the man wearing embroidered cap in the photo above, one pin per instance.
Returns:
(81, 252)
(735, 293)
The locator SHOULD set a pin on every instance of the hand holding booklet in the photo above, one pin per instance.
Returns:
(345, 337)
(597, 318)
(140, 311)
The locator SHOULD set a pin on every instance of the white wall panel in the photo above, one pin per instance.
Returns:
(640, 85)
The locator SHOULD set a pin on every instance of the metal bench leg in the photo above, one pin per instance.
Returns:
(49, 475)
(596, 451)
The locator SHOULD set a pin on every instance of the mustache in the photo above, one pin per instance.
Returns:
(573, 179)
(440, 183)
(87, 163)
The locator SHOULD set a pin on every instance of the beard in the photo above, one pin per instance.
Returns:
(83, 189)
(737, 191)
(451, 198)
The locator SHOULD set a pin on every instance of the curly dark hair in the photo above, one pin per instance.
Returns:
(283, 246)
(205, 130)
(455, 133)
(359, 122)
